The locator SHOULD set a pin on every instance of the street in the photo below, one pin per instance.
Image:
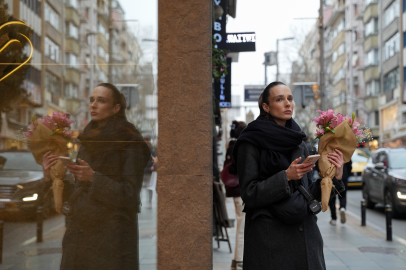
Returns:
(374, 217)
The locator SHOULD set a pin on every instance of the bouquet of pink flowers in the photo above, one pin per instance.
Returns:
(335, 131)
(328, 121)
(58, 123)
(51, 133)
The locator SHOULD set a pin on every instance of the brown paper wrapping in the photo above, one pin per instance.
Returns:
(42, 142)
(343, 140)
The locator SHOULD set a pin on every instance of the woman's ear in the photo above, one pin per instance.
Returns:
(117, 108)
(265, 107)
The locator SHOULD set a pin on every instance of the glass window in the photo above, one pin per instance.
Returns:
(371, 27)
(102, 30)
(358, 157)
(372, 57)
(373, 88)
(391, 80)
(391, 13)
(397, 160)
(367, 2)
(72, 30)
(20, 161)
(71, 60)
(72, 3)
(71, 90)
(391, 47)
(101, 52)
(404, 118)
(52, 83)
(52, 50)
(51, 16)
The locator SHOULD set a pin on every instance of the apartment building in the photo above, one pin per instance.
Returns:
(70, 57)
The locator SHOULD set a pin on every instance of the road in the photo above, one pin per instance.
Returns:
(375, 217)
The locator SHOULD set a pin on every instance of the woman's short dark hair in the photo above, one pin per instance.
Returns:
(263, 98)
(236, 128)
(118, 97)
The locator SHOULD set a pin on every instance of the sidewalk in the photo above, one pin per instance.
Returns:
(30, 255)
(346, 246)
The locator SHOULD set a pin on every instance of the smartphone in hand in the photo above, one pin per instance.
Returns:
(66, 160)
(312, 159)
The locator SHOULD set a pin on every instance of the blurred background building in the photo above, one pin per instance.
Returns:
(77, 44)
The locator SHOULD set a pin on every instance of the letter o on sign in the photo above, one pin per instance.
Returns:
(217, 36)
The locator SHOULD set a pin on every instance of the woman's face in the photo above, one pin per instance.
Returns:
(280, 103)
(101, 104)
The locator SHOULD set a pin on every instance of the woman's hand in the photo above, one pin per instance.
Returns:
(48, 161)
(296, 171)
(338, 160)
(83, 173)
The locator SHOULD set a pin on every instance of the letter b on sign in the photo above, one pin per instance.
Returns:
(217, 26)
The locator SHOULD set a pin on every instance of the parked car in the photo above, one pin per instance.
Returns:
(384, 180)
(359, 160)
(21, 183)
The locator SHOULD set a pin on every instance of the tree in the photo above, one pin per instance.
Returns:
(11, 87)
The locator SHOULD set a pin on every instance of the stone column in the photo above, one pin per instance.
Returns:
(185, 135)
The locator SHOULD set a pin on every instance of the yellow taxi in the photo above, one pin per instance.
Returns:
(359, 160)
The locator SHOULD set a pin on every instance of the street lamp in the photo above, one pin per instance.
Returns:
(277, 53)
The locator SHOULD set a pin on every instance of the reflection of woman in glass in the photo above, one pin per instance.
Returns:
(102, 229)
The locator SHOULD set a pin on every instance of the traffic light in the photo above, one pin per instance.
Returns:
(315, 88)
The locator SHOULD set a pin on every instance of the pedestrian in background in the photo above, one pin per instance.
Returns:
(234, 192)
(280, 231)
(342, 197)
(102, 232)
(146, 184)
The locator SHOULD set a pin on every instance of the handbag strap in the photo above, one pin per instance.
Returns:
(309, 197)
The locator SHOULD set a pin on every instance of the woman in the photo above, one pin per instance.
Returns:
(280, 232)
(234, 191)
(102, 232)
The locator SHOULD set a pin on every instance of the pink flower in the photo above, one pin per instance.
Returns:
(67, 134)
(324, 118)
(338, 119)
(48, 122)
(319, 132)
(62, 120)
(28, 134)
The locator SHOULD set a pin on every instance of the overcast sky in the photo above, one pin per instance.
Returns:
(270, 19)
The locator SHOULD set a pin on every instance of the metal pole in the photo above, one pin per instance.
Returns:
(110, 42)
(1, 240)
(363, 212)
(350, 62)
(265, 64)
(277, 60)
(321, 33)
(388, 213)
(39, 224)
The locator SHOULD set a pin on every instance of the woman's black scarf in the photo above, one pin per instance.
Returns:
(275, 142)
(116, 135)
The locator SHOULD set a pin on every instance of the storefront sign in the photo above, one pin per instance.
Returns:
(252, 92)
(219, 26)
(241, 42)
(222, 88)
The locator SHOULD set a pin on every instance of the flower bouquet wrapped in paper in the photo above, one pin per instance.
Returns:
(335, 131)
(51, 133)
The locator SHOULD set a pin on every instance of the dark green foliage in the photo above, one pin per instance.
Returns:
(219, 62)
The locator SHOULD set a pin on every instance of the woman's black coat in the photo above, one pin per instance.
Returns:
(103, 231)
(269, 242)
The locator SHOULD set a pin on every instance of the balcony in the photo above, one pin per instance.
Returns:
(103, 64)
(371, 42)
(71, 14)
(371, 73)
(72, 45)
(72, 75)
(338, 64)
(339, 39)
(371, 11)
(102, 41)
